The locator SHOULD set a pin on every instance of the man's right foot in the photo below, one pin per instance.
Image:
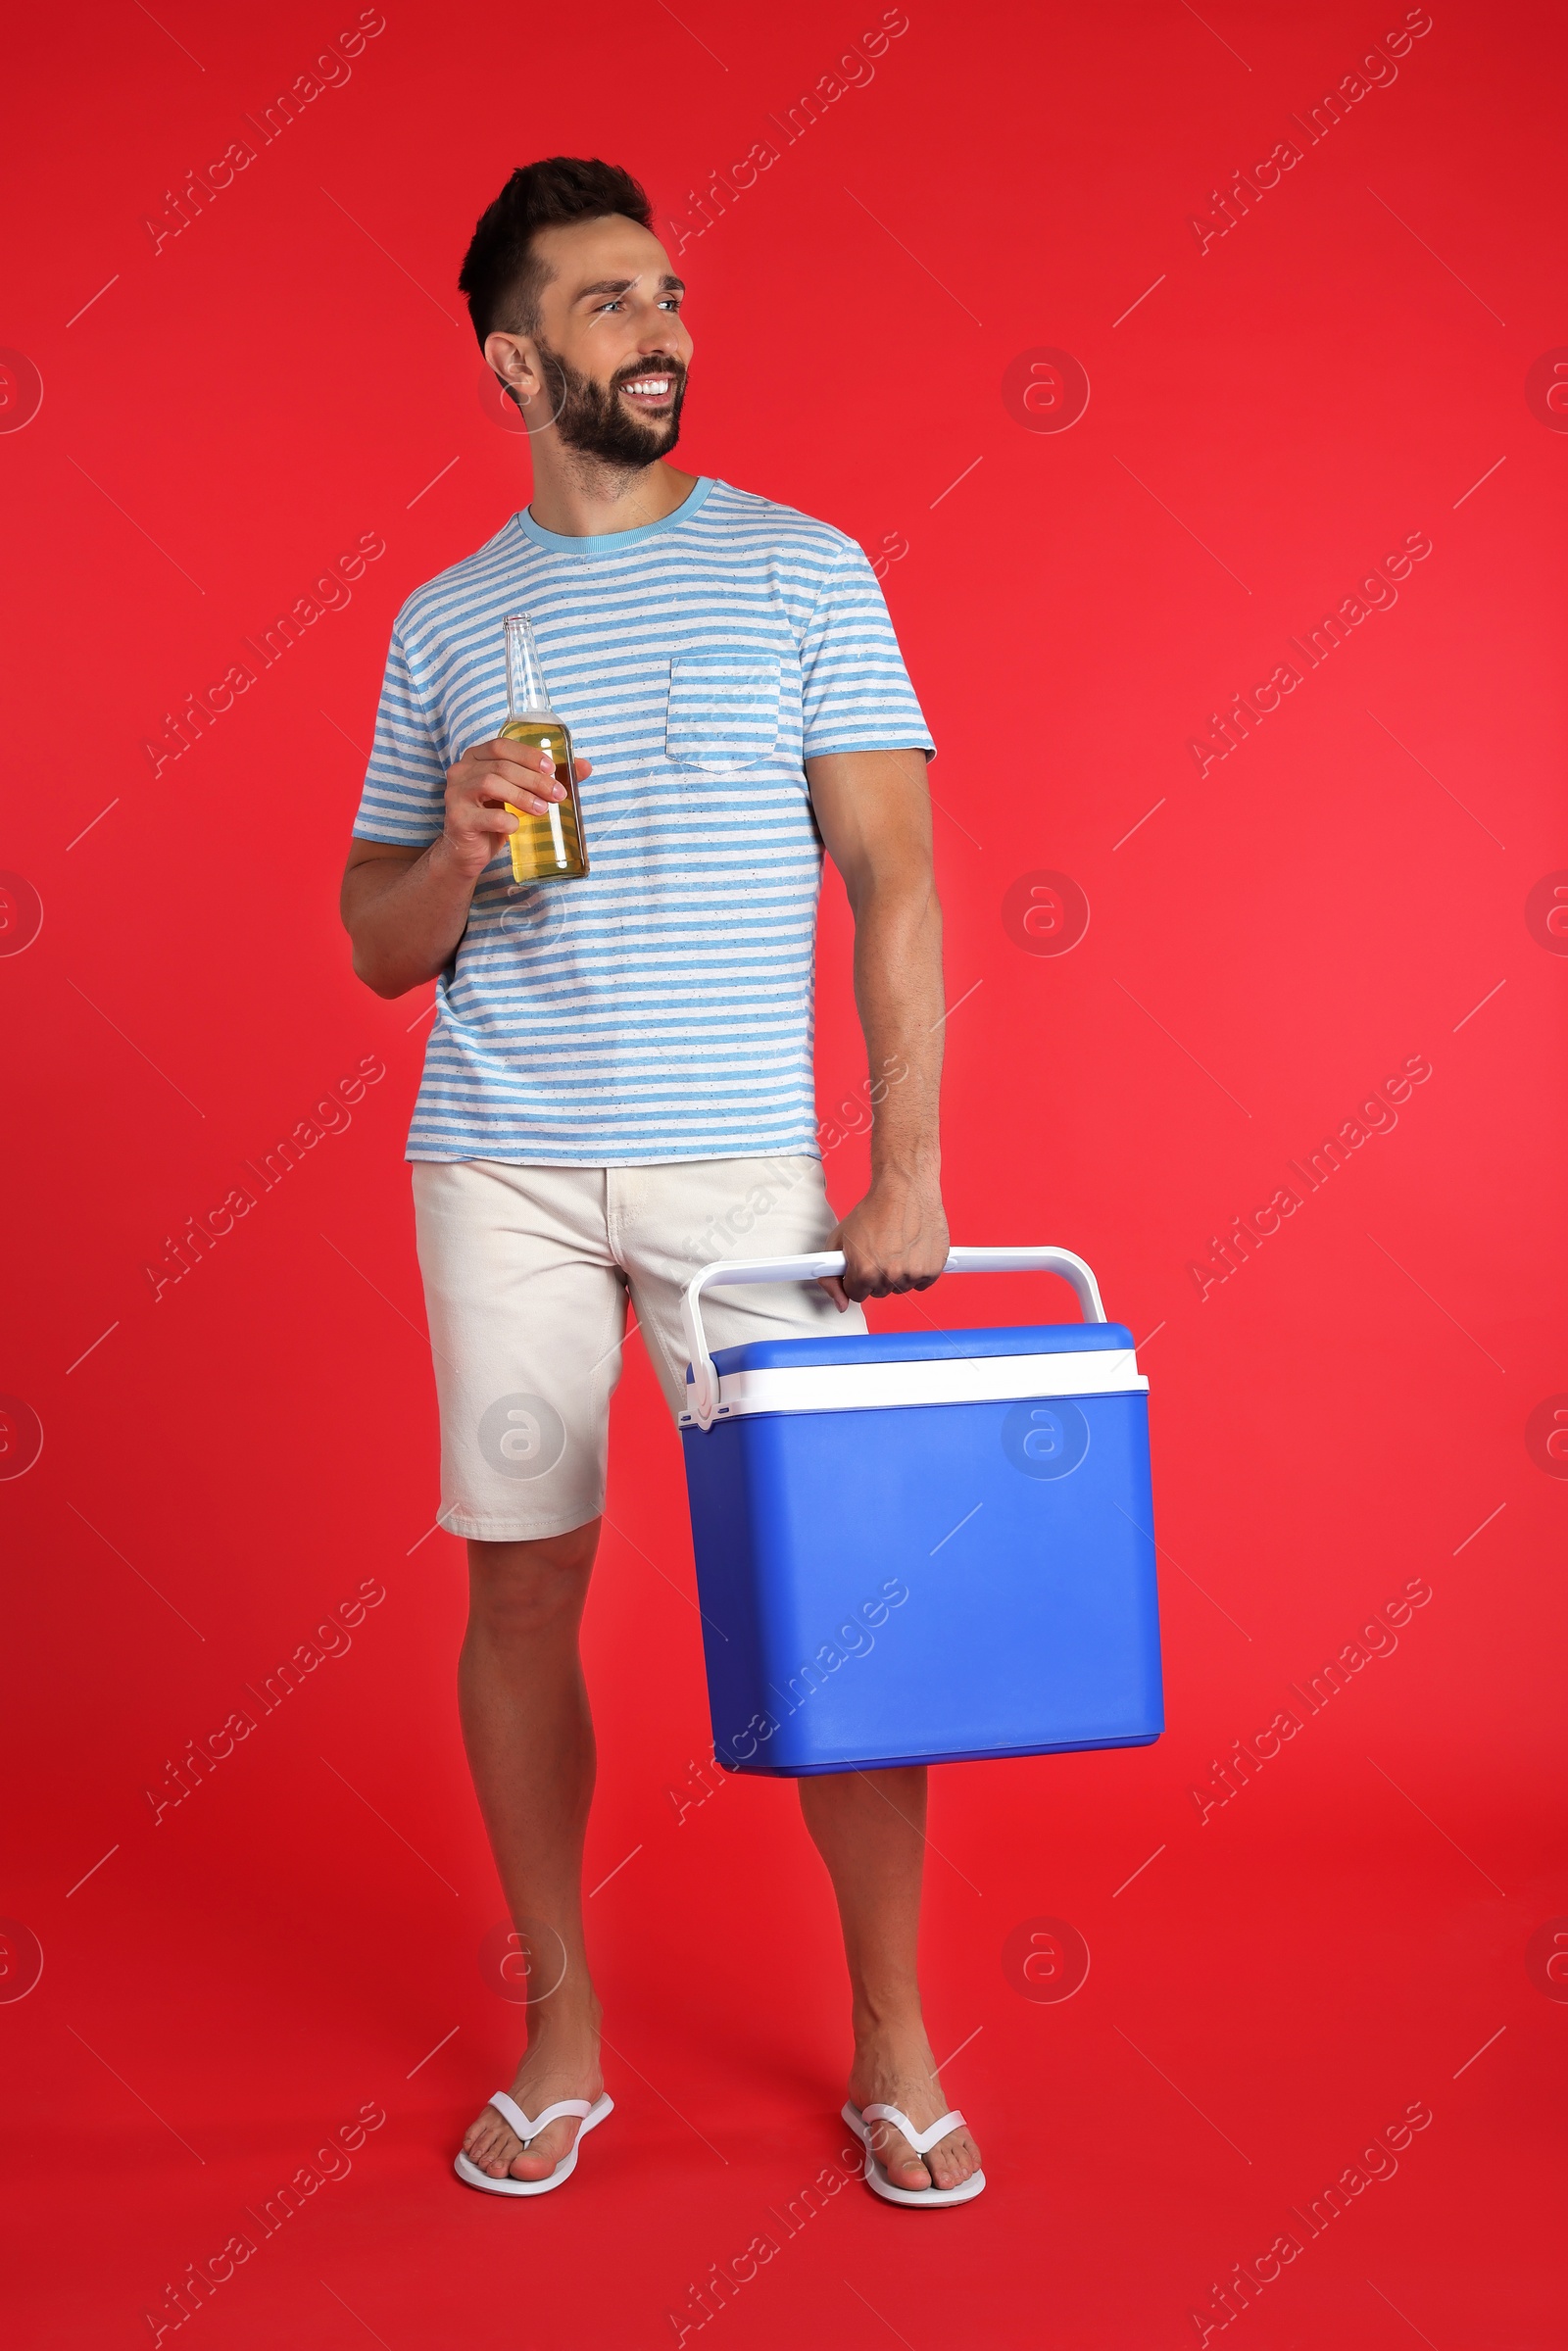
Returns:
(560, 2065)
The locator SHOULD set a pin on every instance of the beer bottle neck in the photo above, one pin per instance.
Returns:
(528, 694)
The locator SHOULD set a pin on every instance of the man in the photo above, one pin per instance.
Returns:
(614, 1056)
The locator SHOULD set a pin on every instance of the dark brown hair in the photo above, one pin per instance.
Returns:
(500, 276)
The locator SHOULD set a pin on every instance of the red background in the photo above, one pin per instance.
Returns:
(1269, 417)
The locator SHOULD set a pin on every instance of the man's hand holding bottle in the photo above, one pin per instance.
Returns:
(489, 791)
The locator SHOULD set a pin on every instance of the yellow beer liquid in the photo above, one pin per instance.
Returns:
(547, 848)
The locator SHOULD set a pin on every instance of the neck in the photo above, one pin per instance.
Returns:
(583, 498)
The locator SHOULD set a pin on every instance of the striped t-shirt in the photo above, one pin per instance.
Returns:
(660, 1006)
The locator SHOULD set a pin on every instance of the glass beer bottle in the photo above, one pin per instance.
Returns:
(544, 849)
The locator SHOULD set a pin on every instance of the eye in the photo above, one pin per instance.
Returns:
(615, 303)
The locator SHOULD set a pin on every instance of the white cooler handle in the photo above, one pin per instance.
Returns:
(703, 1391)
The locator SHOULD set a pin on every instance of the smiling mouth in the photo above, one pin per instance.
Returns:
(648, 391)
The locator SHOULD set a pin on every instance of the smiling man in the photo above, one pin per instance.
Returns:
(614, 1058)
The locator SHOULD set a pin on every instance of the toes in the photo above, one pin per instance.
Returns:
(898, 2159)
(954, 2160)
(948, 2163)
(540, 2157)
(487, 2147)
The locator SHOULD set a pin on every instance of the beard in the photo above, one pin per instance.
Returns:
(590, 419)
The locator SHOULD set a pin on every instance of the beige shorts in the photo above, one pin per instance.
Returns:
(527, 1271)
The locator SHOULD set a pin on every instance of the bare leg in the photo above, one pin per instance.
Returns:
(869, 1827)
(530, 1742)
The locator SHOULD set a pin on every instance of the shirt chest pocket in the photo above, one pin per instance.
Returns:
(724, 708)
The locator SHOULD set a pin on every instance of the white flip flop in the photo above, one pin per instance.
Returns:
(922, 2141)
(510, 2112)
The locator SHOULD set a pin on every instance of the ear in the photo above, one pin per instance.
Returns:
(513, 359)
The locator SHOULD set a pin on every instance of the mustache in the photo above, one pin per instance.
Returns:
(656, 364)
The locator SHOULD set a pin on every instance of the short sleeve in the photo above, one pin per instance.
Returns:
(856, 694)
(403, 800)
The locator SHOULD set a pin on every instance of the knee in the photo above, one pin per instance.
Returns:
(518, 1589)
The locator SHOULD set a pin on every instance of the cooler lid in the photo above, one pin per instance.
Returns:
(923, 1347)
(894, 1369)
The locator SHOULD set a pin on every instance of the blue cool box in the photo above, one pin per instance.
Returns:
(926, 1548)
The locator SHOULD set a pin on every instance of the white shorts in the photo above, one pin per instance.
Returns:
(526, 1275)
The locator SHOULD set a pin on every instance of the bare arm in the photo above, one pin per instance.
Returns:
(405, 909)
(874, 812)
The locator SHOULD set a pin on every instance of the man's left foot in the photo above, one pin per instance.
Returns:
(894, 2067)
